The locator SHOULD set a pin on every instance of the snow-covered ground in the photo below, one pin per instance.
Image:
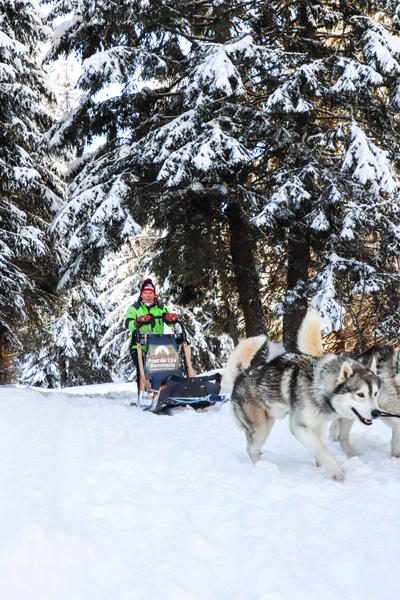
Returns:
(100, 501)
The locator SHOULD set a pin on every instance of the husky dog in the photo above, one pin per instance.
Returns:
(387, 361)
(312, 391)
(241, 357)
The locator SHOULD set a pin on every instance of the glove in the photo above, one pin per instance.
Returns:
(144, 320)
(170, 318)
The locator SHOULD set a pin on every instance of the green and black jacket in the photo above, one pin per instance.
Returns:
(140, 308)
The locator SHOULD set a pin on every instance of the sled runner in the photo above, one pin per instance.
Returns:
(167, 379)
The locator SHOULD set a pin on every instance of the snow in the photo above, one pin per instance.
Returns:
(210, 148)
(368, 163)
(63, 332)
(100, 500)
(383, 50)
(216, 73)
(106, 63)
(287, 97)
(61, 30)
(8, 43)
(355, 77)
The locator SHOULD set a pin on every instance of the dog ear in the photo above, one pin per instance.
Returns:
(373, 366)
(346, 372)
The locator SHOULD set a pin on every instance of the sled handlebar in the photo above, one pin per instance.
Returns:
(170, 318)
(141, 337)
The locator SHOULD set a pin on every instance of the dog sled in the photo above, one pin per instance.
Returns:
(167, 379)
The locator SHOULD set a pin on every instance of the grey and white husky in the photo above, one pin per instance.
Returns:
(387, 360)
(312, 391)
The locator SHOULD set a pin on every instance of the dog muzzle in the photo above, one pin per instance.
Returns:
(363, 419)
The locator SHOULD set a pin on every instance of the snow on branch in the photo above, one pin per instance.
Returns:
(7, 73)
(325, 287)
(381, 48)
(63, 331)
(108, 66)
(30, 241)
(325, 298)
(367, 163)
(10, 47)
(355, 77)
(364, 281)
(290, 96)
(216, 74)
(158, 145)
(243, 46)
(282, 202)
(64, 30)
(211, 150)
(55, 137)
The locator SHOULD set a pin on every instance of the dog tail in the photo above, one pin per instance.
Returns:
(309, 338)
(242, 356)
(239, 359)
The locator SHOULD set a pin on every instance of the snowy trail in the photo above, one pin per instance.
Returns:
(101, 501)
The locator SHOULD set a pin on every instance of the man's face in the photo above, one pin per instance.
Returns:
(148, 296)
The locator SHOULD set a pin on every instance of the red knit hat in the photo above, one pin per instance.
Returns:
(148, 285)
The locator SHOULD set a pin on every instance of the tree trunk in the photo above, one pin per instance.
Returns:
(63, 370)
(244, 266)
(231, 324)
(241, 239)
(6, 371)
(222, 22)
(297, 271)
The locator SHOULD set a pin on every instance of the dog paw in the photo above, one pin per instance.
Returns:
(351, 453)
(338, 475)
(255, 457)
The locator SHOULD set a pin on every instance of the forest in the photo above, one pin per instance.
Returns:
(244, 153)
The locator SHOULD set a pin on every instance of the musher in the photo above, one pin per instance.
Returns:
(146, 304)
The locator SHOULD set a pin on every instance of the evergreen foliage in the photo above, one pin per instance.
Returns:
(121, 278)
(236, 119)
(30, 191)
(330, 181)
(184, 151)
(68, 350)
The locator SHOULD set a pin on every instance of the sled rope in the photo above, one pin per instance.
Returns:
(381, 413)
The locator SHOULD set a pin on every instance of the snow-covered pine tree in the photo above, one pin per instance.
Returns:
(122, 275)
(30, 191)
(227, 110)
(98, 217)
(183, 141)
(68, 351)
(331, 176)
(120, 279)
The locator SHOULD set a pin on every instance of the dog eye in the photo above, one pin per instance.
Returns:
(360, 394)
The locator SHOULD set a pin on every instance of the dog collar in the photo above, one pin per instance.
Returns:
(327, 401)
(338, 388)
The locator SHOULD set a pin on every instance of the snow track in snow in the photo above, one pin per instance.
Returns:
(101, 501)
